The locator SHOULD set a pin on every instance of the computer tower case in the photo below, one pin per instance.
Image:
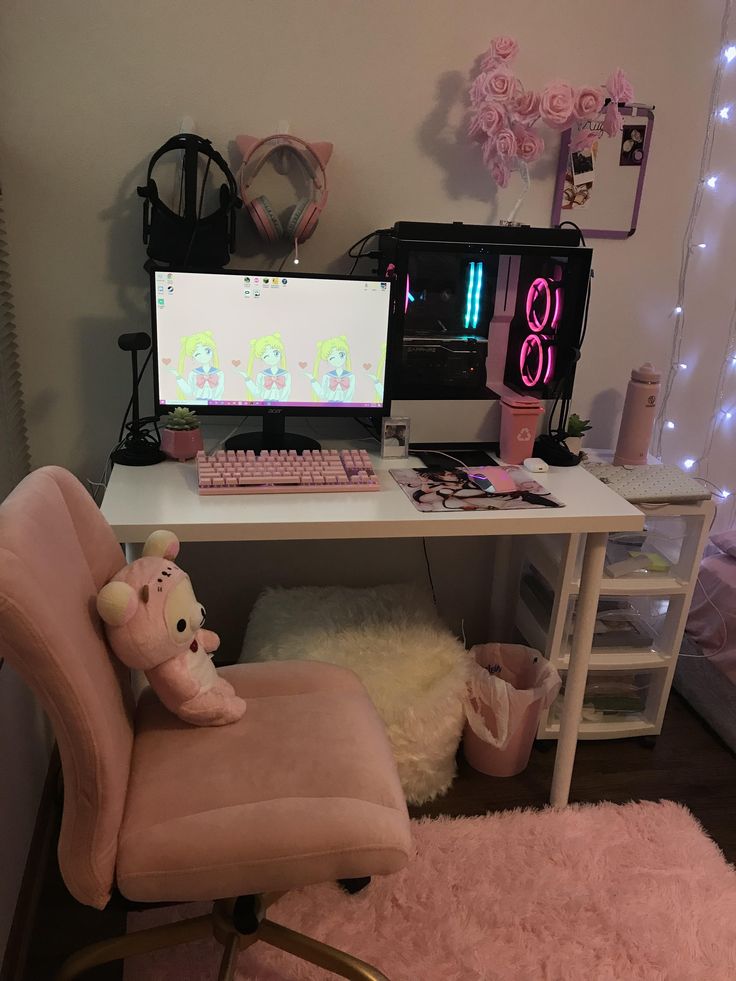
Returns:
(483, 307)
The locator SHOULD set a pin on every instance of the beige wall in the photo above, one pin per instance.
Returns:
(91, 87)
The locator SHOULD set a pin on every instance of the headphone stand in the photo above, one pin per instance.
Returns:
(140, 448)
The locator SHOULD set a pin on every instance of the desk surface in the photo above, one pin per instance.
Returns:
(139, 500)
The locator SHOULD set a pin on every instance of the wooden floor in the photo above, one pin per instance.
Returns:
(688, 764)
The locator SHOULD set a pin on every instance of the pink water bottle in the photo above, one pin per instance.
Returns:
(637, 421)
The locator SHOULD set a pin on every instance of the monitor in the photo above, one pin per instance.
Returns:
(270, 344)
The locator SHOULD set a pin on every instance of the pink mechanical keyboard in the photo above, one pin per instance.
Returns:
(285, 472)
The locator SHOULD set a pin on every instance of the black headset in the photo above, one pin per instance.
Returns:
(189, 239)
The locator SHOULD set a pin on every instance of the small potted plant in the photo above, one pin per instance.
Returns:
(574, 432)
(182, 437)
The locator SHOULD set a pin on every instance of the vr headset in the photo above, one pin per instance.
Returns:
(190, 240)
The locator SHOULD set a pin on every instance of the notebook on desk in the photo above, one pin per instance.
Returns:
(655, 484)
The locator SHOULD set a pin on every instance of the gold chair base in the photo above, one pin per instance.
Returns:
(219, 924)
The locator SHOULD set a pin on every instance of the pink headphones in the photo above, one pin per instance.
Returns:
(305, 214)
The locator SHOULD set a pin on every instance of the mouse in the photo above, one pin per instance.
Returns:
(534, 465)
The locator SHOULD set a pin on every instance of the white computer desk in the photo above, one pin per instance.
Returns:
(140, 500)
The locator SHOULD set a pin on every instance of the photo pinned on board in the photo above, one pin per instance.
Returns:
(632, 146)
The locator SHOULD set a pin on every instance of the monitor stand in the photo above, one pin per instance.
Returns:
(273, 437)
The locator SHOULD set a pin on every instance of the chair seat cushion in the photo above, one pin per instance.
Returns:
(302, 789)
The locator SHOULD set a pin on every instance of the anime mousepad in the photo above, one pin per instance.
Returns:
(438, 489)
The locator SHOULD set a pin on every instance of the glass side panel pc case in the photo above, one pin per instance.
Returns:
(482, 305)
(236, 342)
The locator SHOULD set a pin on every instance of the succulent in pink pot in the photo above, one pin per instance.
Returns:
(182, 437)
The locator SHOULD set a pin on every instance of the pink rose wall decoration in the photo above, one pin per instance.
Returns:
(504, 114)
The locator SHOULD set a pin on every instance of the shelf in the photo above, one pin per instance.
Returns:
(612, 659)
(548, 559)
(649, 585)
(634, 725)
(641, 640)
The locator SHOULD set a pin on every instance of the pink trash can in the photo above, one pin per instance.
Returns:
(510, 688)
(519, 420)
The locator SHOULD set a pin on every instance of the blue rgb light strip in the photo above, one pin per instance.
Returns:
(478, 284)
(469, 295)
(472, 296)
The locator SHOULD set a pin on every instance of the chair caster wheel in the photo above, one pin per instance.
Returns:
(354, 885)
(245, 915)
(648, 742)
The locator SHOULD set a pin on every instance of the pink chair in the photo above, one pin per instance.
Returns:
(302, 790)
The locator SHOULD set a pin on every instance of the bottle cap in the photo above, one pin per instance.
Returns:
(646, 373)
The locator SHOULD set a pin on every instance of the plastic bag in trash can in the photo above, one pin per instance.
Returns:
(504, 681)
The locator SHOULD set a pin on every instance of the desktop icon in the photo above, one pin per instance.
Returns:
(160, 289)
(169, 289)
(256, 279)
(246, 279)
(246, 292)
(256, 292)
(265, 280)
(283, 282)
(161, 301)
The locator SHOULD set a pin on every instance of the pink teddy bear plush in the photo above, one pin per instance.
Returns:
(154, 624)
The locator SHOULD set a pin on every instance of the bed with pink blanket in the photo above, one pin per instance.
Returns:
(707, 677)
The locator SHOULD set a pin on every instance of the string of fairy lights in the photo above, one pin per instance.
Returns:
(719, 114)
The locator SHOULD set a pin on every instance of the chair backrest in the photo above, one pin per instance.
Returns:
(56, 551)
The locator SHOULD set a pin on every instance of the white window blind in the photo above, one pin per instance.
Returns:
(14, 455)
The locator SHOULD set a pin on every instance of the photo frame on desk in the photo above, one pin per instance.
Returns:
(601, 189)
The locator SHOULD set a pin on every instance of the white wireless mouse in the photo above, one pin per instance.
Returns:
(534, 465)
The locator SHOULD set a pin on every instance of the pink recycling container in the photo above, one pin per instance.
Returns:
(519, 420)
(508, 713)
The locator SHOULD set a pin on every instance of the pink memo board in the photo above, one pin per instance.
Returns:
(611, 207)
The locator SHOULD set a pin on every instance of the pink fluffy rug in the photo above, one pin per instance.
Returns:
(592, 893)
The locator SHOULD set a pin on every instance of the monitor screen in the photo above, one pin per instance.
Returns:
(307, 343)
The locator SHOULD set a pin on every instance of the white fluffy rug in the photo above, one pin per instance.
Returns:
(415, 670)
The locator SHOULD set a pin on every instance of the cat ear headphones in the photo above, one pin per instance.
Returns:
(190, 237)
(304, 216)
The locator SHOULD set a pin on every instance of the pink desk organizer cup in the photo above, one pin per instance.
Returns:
(519, 420)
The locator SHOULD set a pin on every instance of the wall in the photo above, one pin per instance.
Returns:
(91, 87)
